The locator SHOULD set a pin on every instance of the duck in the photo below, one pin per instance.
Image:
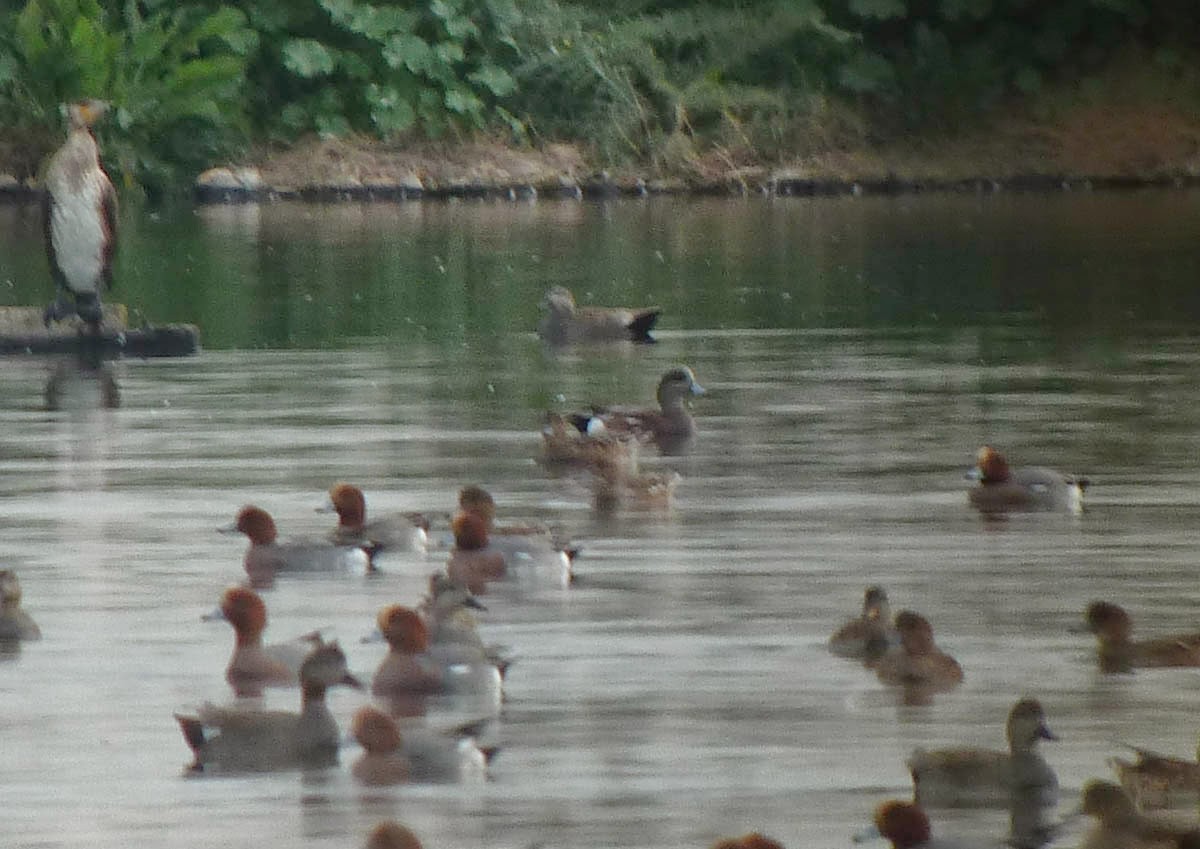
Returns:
(564, 323)
(906, 825)
(1152, 779)
(1119, 824)
(15, 624)
(564, 444)
(917, 664)
(267, 556)
(1001, 489)
(753, 840)
(671, 427)
(614, 487)
(871, 634)
(527, 544)
(238, 739)
(79, 216)
(382, 762)
(987, 777)
(391, 532)
(253, 665)
(1118, 652)
(473, 564)
(453, 631)
(390, 834)
(406, 677)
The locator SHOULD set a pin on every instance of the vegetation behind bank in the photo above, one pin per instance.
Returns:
(670, 85)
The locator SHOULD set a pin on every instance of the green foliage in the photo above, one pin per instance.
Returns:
(337, 66)
(629, 85)
(172, 74)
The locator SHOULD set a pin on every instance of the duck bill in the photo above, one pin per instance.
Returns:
(1045, 733)
(228, 529)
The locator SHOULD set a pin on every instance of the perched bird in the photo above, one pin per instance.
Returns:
(1119, 824)
(79, 219)
(267, 556)
(1152, 780)
(869, 635)
(15, 623)
(671, 427)
(253, 665)
(253, 740)
(917, 664)
(986, 777)
(1117, 651)
(564, 323)
(1001, 489)
(394, 531)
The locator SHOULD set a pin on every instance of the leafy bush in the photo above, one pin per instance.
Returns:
(172, 73)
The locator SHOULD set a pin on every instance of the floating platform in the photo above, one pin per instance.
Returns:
(23, 332)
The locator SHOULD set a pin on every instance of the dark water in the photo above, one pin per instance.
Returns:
(856, 353)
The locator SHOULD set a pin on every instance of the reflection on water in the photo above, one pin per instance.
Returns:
(682, 689)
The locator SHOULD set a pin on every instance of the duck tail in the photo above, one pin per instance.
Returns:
(642, 324)
(193, 733)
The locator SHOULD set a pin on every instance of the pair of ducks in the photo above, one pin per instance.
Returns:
(902, 651)
(1118, 824)
(242, 739)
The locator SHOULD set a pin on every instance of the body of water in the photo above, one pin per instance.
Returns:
(856, 353)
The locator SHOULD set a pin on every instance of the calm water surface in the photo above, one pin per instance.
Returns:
(856, 353)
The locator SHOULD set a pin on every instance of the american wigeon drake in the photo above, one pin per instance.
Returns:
(240, 739)
(670, 427)
(253, 665)
(917, 664)
(753, 840)
(1153, 780)
(390, 532)
(267, 556)
(906, 825)
(15, 623)
(381, 762)
(564, 323)
(987, 777)
(530, 542)
(1001, 489)
(390, 834)
(406, 677)
(1119, 825)
(473, 563)
(869, 635)
(1117, 651)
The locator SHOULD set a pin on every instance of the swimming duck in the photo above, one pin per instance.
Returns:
(671, 427)
(1001, 489)
(1119, 825)
(614, 487)
(453, 634)
(406, 677)
(382, 762)
(1153, 779)
(252, 740)
(390, 834)
(79, 215)
(15, 623)
(986, 777)
(564, 323)
(564, 444)
(753, 840)
(917, 664)
(527, 544)
(869, 635)
(267, 556)
(254, 666)
(1118, 652)
(392, 532)
(906, 825)
(472, 562)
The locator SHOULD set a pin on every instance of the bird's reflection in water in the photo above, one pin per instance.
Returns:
(82, 382)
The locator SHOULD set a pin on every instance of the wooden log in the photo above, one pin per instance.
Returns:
(23, 332)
